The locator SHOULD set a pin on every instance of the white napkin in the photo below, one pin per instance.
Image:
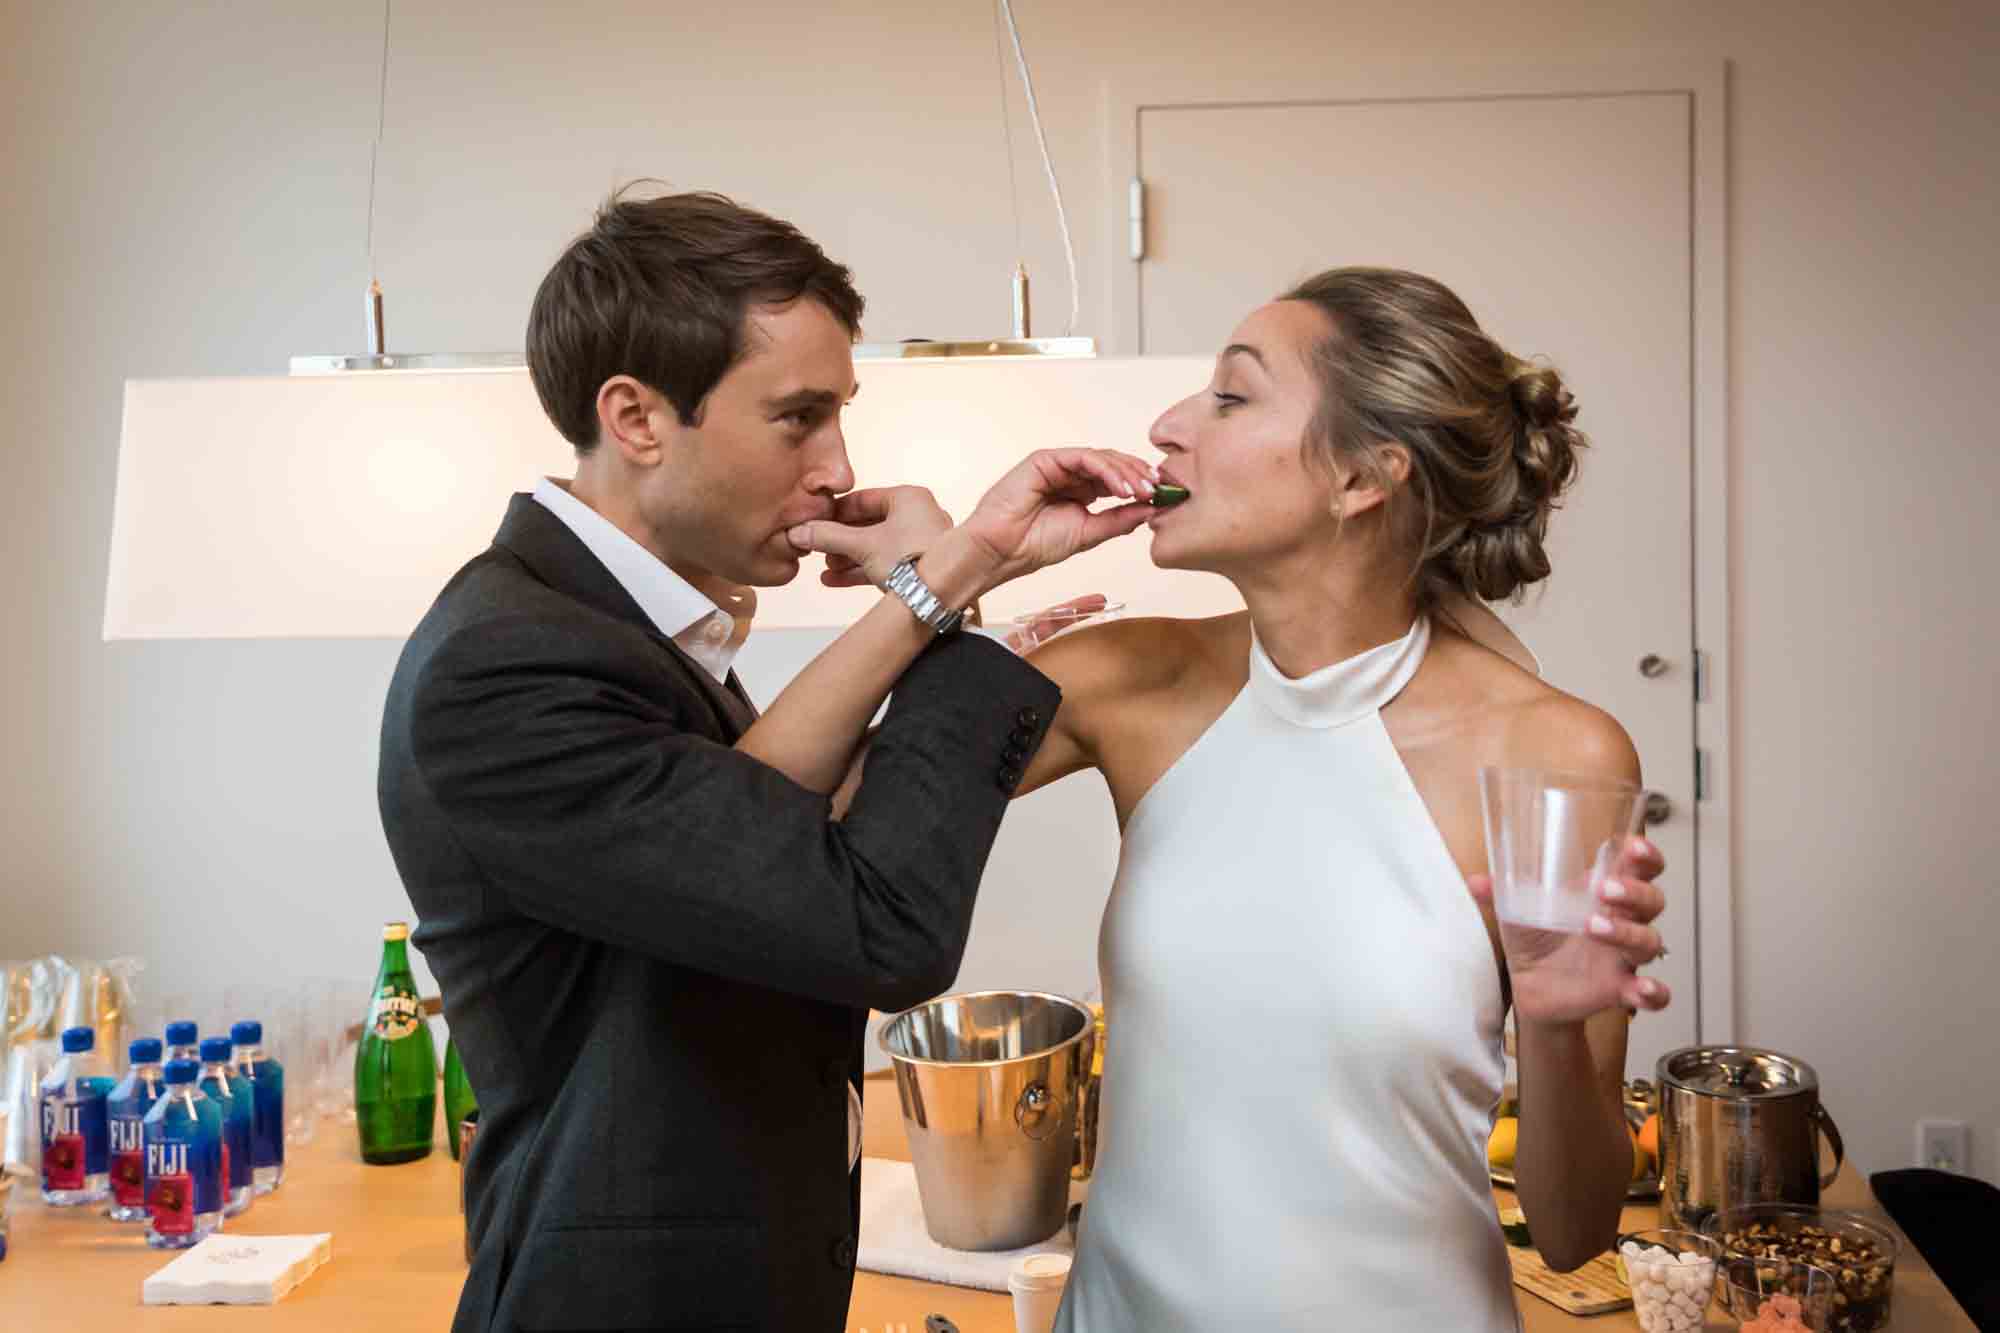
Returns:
(893, 1239)
(227, 1269)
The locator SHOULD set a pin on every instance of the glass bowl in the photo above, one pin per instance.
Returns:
(1672, 1277)
(1775, 1295)
(1859, 1253)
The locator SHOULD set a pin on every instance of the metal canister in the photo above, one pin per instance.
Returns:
(1739, 1125)
(991, 1085)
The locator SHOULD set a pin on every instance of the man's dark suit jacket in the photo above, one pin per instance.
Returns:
(656, 954)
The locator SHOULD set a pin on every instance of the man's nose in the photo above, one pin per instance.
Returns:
(833, 475)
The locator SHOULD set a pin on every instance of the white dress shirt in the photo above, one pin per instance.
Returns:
(703, 630)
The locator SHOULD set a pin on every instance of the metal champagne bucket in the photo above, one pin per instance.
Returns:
(991, 1085)
(467, 1130)
(1739, 1126)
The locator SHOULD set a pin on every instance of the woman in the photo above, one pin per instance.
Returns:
(1305, 998)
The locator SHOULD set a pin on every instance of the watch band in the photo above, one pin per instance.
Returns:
(907, 585)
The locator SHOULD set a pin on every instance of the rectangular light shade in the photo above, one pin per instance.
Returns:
(337, 506)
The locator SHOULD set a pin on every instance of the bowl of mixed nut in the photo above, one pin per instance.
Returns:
(1860, 1254)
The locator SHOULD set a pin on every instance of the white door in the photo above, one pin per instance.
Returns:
(1564, 222)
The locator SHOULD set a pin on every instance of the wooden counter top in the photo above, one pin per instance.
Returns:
(397, 1261)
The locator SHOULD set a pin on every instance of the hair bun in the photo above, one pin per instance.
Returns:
(1539, 396)
(1501, 551)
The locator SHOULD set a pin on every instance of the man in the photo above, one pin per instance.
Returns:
(656, 943)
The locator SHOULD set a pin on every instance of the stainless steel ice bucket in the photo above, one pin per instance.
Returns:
(990, 1084)
(1738, 1126)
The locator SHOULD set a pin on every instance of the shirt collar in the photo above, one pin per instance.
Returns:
(676, 607)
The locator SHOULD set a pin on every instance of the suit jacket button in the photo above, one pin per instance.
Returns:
(1028, 718)
(1010, 778)
(1015, 755)
(843, 1253)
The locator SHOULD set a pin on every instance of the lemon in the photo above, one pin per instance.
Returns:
(1501, 1146)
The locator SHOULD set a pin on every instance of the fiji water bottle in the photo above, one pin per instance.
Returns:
(223, 1085)
(267, 1102)
(126, 1111)
(183, 1135)
(76, 1140)
(183, 1041)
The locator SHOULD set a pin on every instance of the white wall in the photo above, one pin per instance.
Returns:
(186, 187)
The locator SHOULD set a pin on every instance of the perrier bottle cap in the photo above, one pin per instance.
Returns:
(396, 930)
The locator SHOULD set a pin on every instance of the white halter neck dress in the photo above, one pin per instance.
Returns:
(1303, 1037)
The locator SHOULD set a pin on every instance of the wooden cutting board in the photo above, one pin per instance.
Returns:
(1594, 1288)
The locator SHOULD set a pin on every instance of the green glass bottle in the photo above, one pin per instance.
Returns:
(459, 1101)
(395, 1066)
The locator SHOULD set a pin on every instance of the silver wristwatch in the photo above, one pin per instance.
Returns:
(904, 582)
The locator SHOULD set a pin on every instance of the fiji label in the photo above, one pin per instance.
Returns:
(169, 1189)
(128, 1162)
(62, 1144)
(397, 1014)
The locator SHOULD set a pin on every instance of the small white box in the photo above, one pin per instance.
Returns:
(228, 1269)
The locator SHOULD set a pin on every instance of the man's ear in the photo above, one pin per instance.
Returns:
(629, 415)
(1372, 481)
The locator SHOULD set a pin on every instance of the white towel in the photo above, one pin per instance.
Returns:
(893, 1239)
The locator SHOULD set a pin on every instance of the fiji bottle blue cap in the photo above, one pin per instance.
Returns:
(78, 1039)
(247, 1033)
(182, 1071)
(215, 1050)
(182, 1033)
(145, 1051)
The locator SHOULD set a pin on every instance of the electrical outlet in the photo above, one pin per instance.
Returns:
(1944, 1145)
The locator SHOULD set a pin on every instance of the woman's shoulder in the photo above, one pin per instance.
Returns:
(1530, 723)
(1145, 654)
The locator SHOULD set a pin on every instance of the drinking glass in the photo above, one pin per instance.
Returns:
(1029, 632)
(1551, 839)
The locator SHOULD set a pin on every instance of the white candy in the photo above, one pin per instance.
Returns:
(1670, 1292)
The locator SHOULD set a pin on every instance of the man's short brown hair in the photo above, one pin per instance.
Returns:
(658, 289)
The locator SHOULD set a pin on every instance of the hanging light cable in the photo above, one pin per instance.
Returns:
(1048, 166)
(1021, 312)
(376, 343)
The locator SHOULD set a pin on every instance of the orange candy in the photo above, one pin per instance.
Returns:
(1780, 1314)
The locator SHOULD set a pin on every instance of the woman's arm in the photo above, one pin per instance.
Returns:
(1036, 515)
(1570, 994)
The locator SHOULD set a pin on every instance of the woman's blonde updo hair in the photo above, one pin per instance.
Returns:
(1489, 436)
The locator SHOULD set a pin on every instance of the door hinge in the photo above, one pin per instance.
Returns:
(1700, 676)
(1138, 216)
(1701, 781)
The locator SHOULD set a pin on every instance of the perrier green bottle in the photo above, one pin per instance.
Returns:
(459, 1101)
(395, 1066)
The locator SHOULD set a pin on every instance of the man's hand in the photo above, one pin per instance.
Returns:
(871, 531)
(1559, 978)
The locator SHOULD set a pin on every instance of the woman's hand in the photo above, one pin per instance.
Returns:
(1039, 513)
(1560, 978)
(870, 532)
